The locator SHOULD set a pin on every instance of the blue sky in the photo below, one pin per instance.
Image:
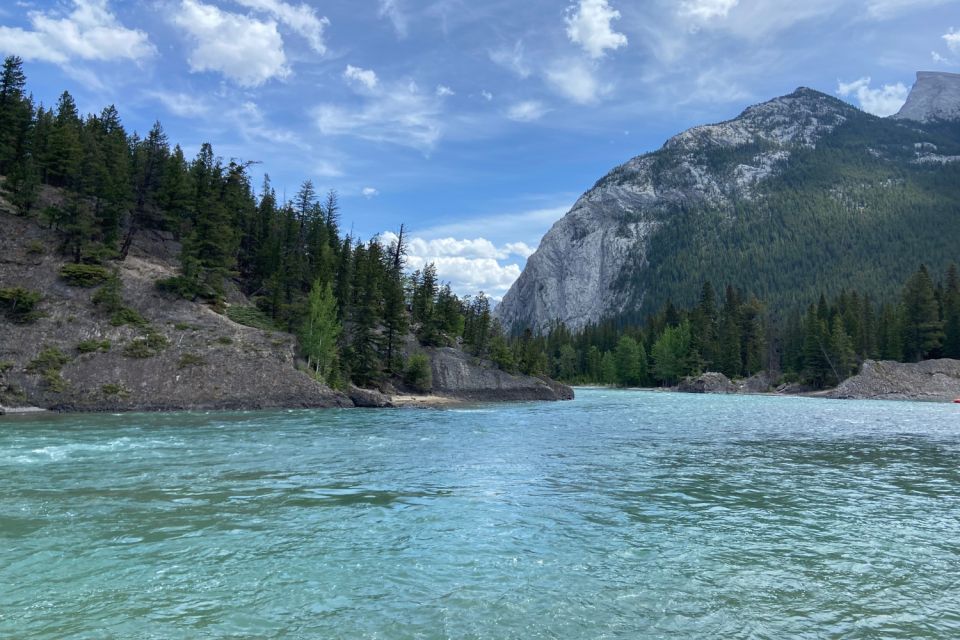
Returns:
(475, 122)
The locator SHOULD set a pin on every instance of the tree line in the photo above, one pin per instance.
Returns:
(351, 302)
(737, 335)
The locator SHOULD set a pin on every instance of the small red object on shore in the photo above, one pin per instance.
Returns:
(957, 401)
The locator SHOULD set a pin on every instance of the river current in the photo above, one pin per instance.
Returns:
(622, 514)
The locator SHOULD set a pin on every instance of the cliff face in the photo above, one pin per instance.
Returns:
(935, 96)
(573, 276)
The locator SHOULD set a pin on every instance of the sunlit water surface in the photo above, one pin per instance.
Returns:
(621, 514)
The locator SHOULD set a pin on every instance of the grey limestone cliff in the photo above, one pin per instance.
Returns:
(572, 275)
(935, 96)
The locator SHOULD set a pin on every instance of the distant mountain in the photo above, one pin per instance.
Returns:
(799, 195)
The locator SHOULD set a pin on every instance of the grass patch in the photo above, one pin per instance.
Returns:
(224, 340)
(191, 360)
(84, 275)
(5, 366)
(90, 346)
(251, 317)
(36, 248)
(48, 365)
(19, 304)
(146, 347)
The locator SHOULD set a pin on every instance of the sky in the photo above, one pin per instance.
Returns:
(476, 123)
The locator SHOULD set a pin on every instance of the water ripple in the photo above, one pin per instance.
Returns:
(620, 515)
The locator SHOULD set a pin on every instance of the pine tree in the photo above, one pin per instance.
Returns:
(951, 314)
(922, 329)
(630, 363)
(670, 353)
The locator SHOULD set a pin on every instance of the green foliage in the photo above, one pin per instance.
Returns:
(190, 360)
(225, 340)
(146, 347)
(128, 316)
(320, 330)
(251, 317)
(19, 304)
(417, 373)
(93, 345)
(115, 390)
(48, 364)
(84, 275)
(670, 354)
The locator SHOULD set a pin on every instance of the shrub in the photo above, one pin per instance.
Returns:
(48, 364)
(225, 340)
(5, 365)
(126, 315)
(191, 360)
(35, 248)
(180, 287)
(146, 347)
(84, 275)
(19, 304)
(417, 373)
(114, 390)
(251, 317)
(89, 346)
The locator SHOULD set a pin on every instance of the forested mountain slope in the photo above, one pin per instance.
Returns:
(798, 196)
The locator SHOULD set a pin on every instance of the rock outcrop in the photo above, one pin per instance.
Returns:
(935, 96)
(935, 380)
(710, 382)
(459, 375)
(574, 274)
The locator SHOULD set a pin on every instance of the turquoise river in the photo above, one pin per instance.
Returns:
(621, 514)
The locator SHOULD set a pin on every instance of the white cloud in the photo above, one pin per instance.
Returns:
(884, 101)
(302, 19)
(527, 111)
(588, 24)
(398, 114)
(244, 49)
(512, 58)
(939, 59)
(486, 95)
(365, 77)
(883, 9)
(527, 226)
(390, 9)
(180, 104)
(576, 81)
(369, 192)
(327, 169)
(707, 9)
(89, 32)
(953, 40)
(470, 264)
(444, 91)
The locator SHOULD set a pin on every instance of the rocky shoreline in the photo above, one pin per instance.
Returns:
(168, 354)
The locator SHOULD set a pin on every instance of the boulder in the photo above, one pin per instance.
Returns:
(710, 382)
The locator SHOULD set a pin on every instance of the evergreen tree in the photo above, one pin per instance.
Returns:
(922, 328)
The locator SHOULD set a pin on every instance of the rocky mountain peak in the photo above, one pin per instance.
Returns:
(935, 96)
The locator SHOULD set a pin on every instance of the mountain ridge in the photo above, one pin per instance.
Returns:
(593, 262)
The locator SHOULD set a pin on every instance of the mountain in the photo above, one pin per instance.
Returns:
(935, 96)
(796, 196)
